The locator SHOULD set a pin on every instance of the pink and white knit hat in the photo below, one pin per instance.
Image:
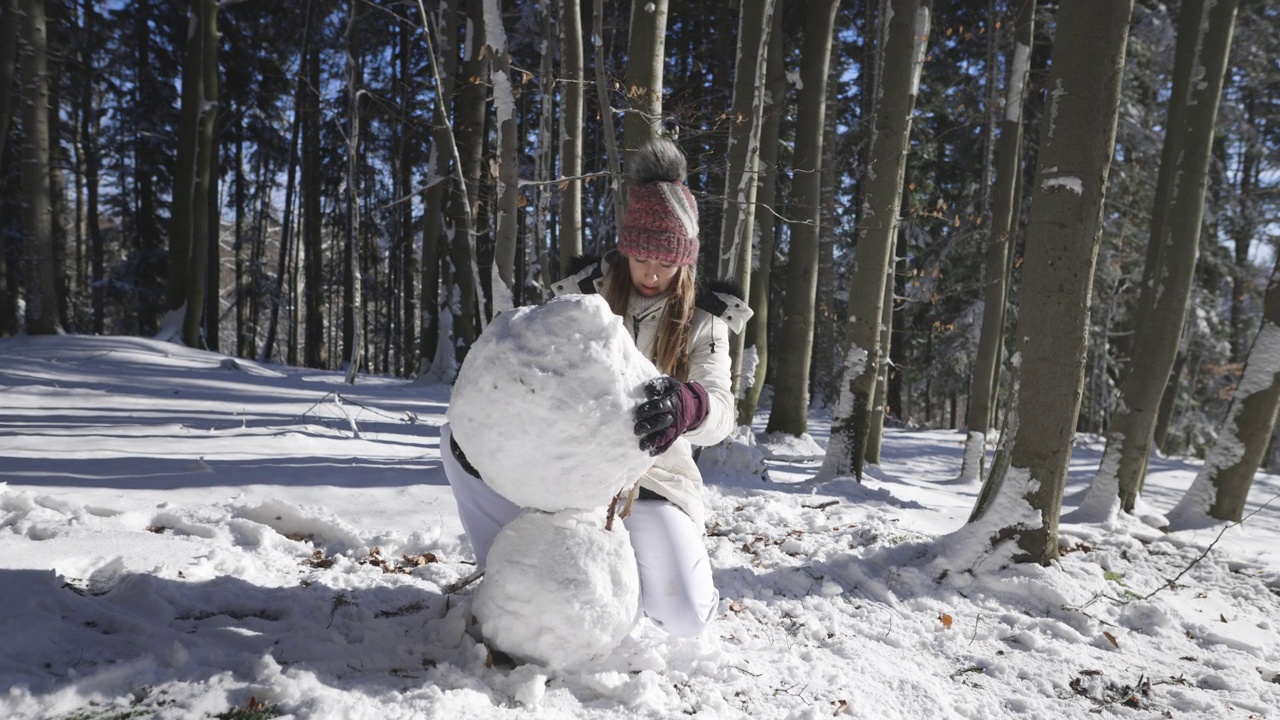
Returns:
(661, 220)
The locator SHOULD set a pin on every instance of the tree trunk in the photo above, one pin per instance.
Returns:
(875, 423)
(606, 114)
(646, 53)
(738, 227)
(790, 413)
(1222, 485)
(238, 243)
(314, 353)
(902, 53)
(213, 256)
(9, 22)
(504, 284)
(571, 130)
(181, 215)
(41, 289)
(470, 133)
(1022, 496)
(1168, 401)
(823, 363)
(197, 260)
(443, 150)
(1204, 40)
(353, 306)
(92, 161)
(535, 278)
(756, 337)
(995, 287)
(286, 222)
(408, 138)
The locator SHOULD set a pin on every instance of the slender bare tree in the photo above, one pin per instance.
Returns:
(995, 283)
(756, 336)
(902, 39)
(571, 93)
(741, 180)
(1200, 61)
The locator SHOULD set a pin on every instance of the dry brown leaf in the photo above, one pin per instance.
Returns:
(1111, 638)
(946, 620)
(842, 707)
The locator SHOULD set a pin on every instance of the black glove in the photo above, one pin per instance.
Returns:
(672, 409)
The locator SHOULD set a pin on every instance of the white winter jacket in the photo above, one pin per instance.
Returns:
(675, 474)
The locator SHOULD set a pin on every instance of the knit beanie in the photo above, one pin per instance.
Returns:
(661, 220)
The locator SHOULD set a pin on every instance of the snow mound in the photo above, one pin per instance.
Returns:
(559, 590)
(556, 383)
(794, 448)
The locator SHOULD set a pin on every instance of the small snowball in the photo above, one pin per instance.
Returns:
(559, 589)
(544, 405)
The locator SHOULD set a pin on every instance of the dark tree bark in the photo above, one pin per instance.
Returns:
(41, 288)
(315, 353)
(197, 280)
(9, 22)
(790, 412)
(181, 215)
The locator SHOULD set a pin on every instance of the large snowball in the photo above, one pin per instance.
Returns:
(544, 405)
(559, 589)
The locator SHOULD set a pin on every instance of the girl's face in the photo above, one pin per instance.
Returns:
(651, 277)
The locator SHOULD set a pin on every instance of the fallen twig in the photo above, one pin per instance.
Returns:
(457, 585)
(1203, 555)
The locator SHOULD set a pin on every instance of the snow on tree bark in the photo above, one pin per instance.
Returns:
(504, 103)
(1221, 487)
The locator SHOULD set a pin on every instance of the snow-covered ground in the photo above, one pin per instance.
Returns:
(183, 535)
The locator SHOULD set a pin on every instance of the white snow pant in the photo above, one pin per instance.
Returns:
(676, 588)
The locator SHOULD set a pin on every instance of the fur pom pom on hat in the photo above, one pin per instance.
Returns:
(661, 221)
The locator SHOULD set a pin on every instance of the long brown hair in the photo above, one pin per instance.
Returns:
(671, 347)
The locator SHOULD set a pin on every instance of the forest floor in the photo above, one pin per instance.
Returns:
(184, 535)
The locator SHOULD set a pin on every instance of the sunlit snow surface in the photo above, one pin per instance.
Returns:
(179, 535)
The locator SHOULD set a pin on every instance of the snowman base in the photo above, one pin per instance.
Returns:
(560, 590)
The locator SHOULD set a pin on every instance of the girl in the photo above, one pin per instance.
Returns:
(651, 283)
